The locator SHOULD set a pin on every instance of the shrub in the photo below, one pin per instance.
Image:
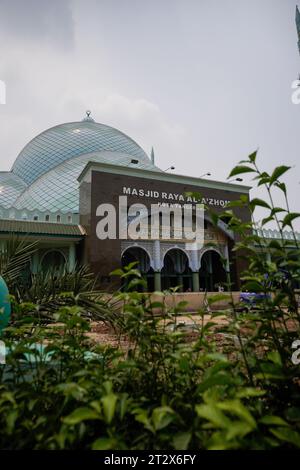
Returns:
(231, 388)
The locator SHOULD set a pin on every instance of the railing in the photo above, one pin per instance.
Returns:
(275, 234)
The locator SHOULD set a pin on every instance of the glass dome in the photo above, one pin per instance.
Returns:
(44, 175)
(65, 141)
(58, 190)
(11, 186)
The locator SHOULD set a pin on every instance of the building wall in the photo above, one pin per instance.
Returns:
(105, 255)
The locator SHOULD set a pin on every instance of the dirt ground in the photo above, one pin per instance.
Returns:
(103, 334)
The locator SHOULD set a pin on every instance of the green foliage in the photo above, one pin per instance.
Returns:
(61, 391)
(14, 259)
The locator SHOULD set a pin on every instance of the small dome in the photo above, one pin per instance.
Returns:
(11, 186)
(67, 141)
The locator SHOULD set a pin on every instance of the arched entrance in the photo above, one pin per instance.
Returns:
(54, 261)
(138, 255)
(176, 271)
(212, 274)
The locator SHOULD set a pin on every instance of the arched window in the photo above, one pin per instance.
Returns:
(58, 218)
(212, 273)
(176, 261)
(137, 254)
(141, 257)
(176, 270)
(54, 260)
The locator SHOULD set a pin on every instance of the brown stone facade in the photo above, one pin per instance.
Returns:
(104, 187)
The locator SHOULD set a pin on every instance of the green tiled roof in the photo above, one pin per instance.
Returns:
(41, 228)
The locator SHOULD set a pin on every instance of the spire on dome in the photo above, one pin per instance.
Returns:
(152, 156)
(88, 116)
(298, 25)
(297, 14)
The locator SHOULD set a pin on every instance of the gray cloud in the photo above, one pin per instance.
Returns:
(37, 20)
(204, 82)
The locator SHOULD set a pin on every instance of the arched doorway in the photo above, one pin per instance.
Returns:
(212, 274)
(54, 261)
(176, 271)
(138, 255)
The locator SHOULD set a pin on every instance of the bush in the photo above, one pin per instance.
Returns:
(231, 388)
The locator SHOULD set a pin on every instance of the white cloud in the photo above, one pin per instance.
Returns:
(142, 120)
(38, 100)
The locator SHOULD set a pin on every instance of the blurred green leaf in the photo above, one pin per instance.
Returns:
(240, 169)
(273, 421)
(109, 406)
(213, 414)
(81, 414)
(104, 443)
(287, 435)
(237, 408)
(162, 417)
(279, 171)
(289, 218)
(181, 440)
(256, 202)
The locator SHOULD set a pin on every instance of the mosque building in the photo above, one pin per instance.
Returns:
(64, 176)
(60, 179)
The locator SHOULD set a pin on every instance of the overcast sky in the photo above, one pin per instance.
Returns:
(205, 82)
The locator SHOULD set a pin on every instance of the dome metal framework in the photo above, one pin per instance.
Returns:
(11, 186)
(61, 143)
(44, 175)
(57, 190)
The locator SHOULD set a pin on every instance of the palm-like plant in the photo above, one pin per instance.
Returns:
(15, 258)
(48, 290)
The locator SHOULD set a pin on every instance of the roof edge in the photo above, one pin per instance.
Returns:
(162, 176)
